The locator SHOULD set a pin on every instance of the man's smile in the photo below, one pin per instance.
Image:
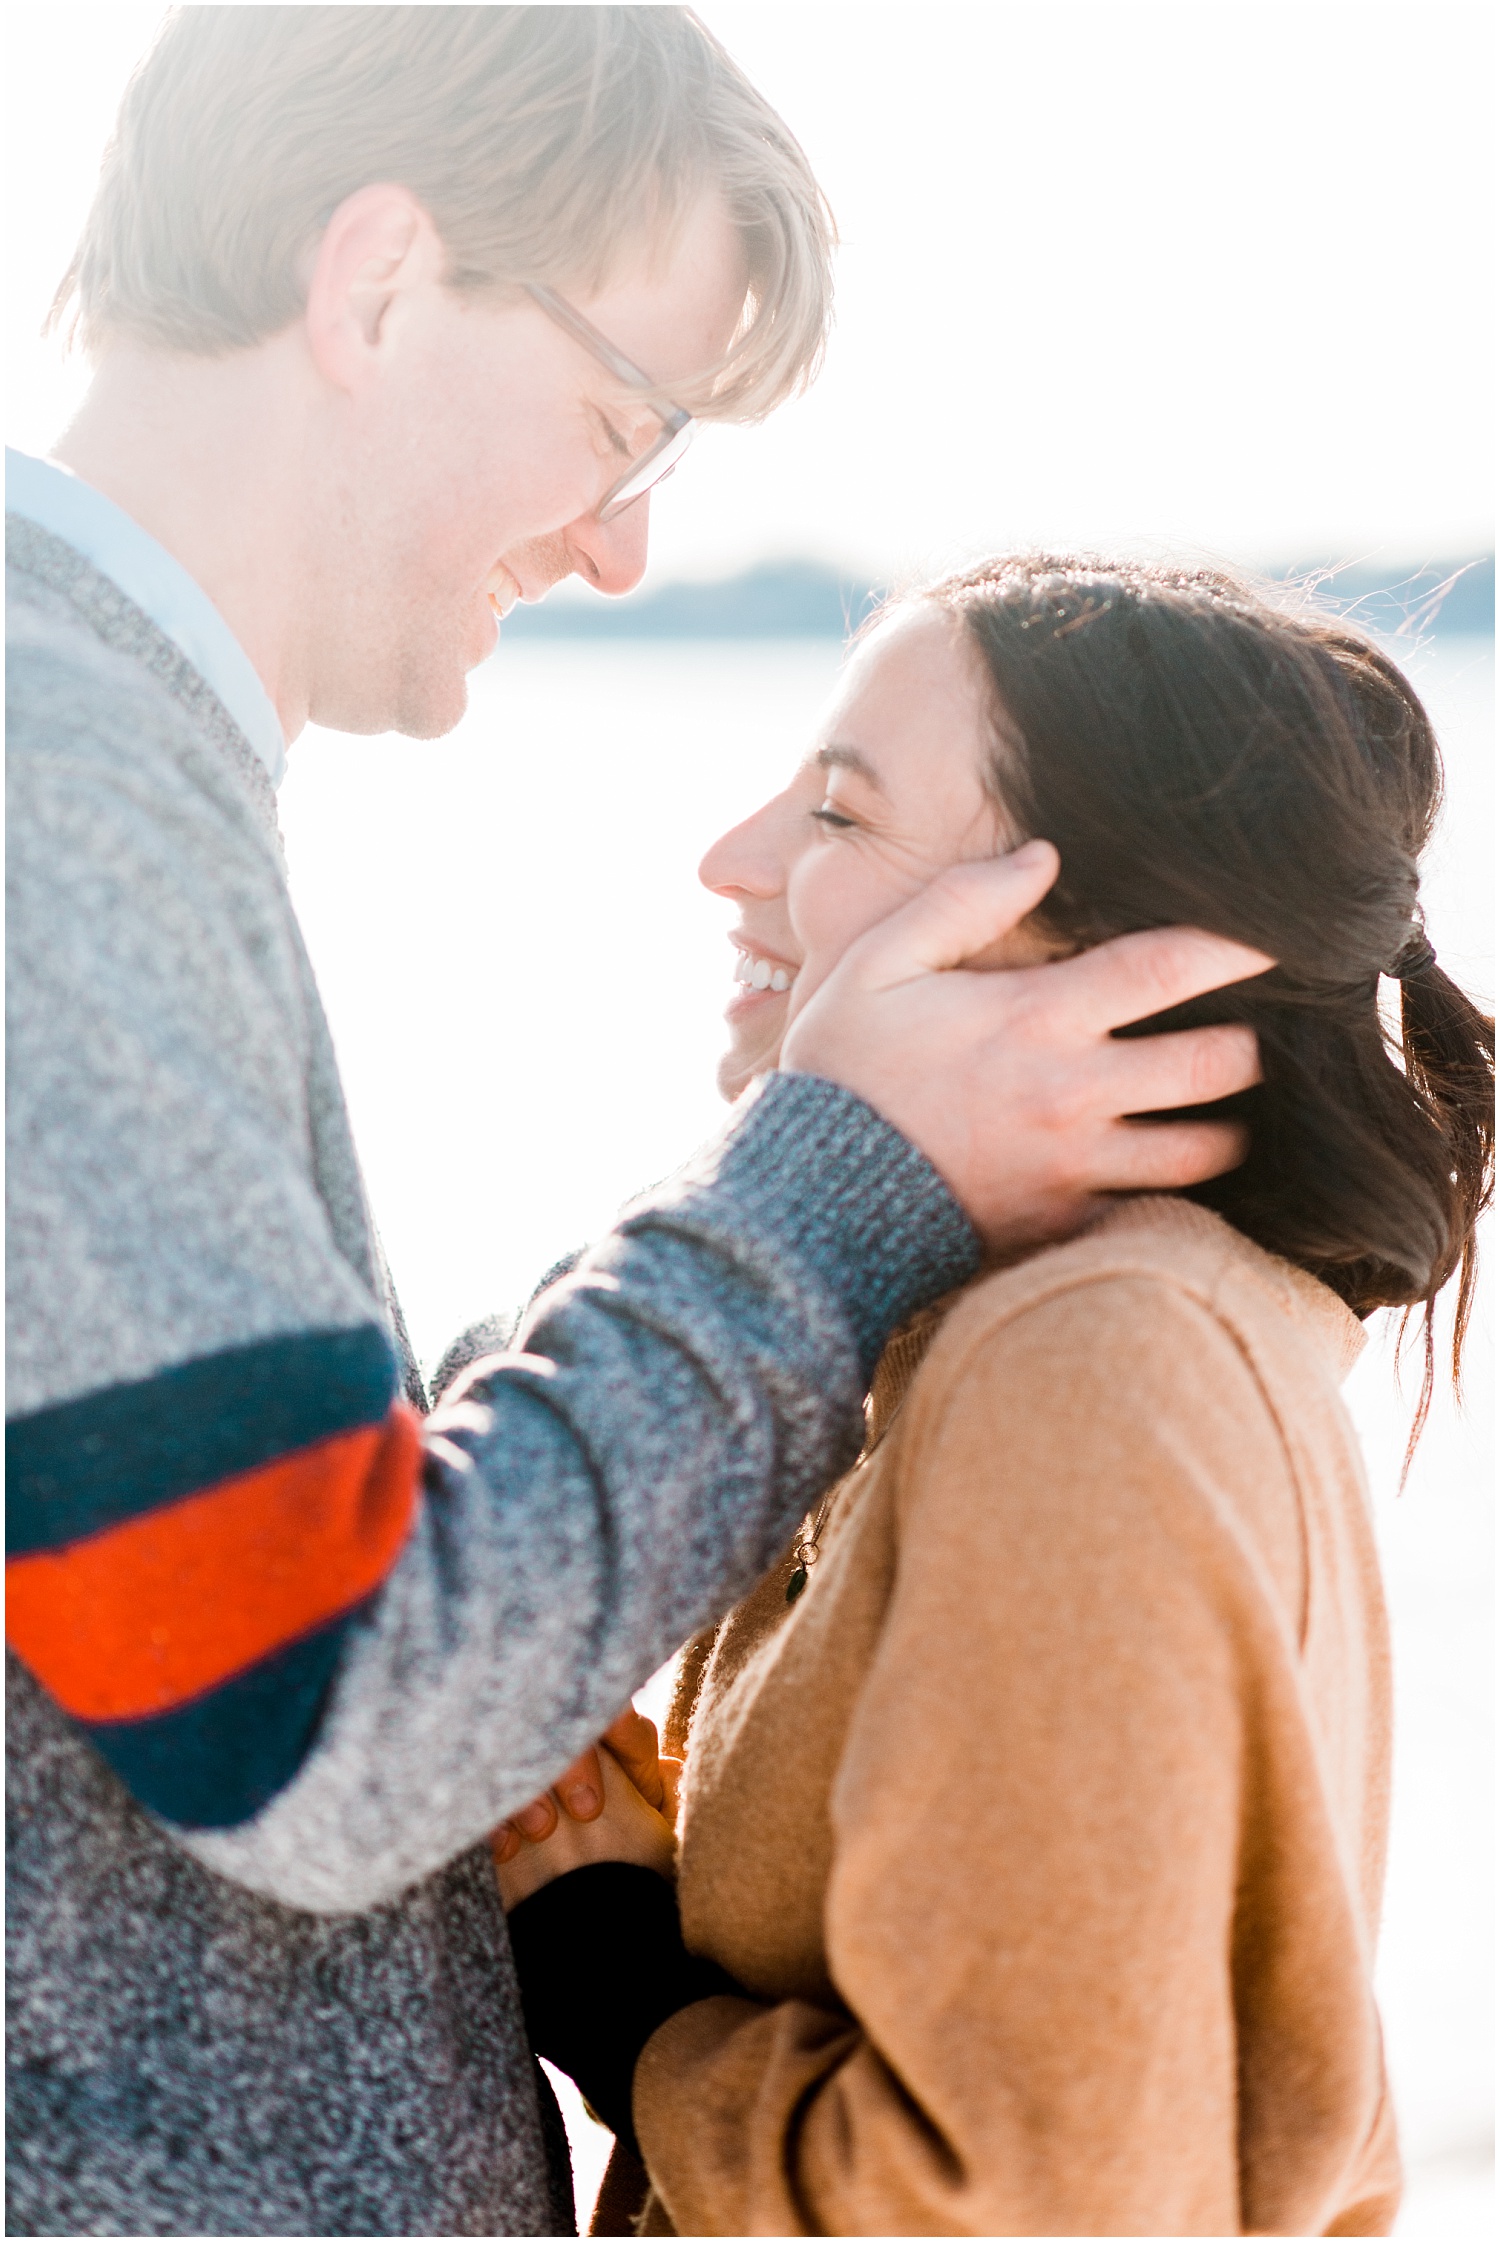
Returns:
(502, 589)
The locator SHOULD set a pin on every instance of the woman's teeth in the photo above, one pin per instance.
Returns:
(760, 973)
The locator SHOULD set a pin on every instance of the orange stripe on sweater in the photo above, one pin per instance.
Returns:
(143, 1617)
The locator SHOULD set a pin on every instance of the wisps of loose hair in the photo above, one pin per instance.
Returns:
(546, 143)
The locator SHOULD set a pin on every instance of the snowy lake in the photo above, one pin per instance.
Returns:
(525, 983)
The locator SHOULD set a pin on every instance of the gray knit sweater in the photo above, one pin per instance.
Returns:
(280, 1649)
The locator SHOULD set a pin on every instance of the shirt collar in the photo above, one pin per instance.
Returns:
(57, 500)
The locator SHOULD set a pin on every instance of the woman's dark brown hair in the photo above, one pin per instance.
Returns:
(1201, 757)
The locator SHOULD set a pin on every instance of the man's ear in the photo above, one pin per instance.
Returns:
(379, 248)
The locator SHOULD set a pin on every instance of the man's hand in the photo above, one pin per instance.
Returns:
(1011, 1082)
(624, 1828)
(633, 1745)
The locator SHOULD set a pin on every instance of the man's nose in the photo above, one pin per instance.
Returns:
(611, 555)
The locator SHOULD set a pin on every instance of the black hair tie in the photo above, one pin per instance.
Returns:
(1414, 956)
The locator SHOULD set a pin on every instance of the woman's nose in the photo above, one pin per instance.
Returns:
(745, 860)
(611, 555)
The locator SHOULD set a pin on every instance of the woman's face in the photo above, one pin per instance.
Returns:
(891, 792)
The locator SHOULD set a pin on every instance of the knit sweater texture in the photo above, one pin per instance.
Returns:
(1045, 1829)
(280, 1650)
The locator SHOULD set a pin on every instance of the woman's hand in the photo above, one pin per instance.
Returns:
(579, 1790)
(626, 1830)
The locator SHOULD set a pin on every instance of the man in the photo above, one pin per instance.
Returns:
(397, 313)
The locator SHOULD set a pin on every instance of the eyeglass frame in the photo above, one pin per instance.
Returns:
(678, 427)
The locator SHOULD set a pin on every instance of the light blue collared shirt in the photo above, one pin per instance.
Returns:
(55, 498)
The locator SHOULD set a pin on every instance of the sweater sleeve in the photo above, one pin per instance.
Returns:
(328, 1645)
(1061, 1834)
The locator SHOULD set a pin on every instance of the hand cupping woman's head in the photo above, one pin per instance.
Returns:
(1198, 756)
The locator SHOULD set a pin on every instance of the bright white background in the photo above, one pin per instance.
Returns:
(1211, 272)
(1207, 277)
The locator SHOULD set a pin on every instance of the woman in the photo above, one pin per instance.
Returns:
(1032, 1824)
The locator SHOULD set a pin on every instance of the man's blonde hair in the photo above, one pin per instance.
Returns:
(544, 142)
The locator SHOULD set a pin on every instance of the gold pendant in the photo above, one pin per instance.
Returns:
(806, 1553)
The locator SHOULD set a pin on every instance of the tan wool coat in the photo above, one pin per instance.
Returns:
(1045, 1829)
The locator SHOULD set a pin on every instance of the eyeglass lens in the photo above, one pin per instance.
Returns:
(648, 471)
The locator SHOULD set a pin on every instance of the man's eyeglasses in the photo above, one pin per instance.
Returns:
(677, 427)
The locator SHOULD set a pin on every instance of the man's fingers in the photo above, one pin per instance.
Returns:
(1192, 1067)
(1170, 1155)
(504, 1844)
(1137, 975)
(957, 915)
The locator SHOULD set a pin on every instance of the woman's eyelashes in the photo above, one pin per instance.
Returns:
(832, 820)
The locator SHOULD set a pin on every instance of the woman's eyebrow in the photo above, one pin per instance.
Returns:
(836, 757)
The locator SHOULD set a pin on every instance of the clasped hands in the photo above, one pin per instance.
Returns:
(617, 1802)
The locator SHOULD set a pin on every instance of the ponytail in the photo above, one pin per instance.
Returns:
(1448, 1046)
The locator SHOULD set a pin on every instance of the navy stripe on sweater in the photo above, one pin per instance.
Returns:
(90, 1463)
(213, 1763)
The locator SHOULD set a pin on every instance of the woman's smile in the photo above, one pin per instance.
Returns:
(760, 976)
